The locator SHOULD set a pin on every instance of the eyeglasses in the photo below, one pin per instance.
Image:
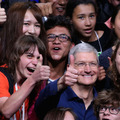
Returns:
(111, 109)
(61, 37)
(83, 64)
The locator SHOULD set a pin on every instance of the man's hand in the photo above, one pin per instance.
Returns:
(46, 8)
(70, 77)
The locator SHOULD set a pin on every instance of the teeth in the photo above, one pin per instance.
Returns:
(60, 9)
(31, 69)
(87, 75)
(56, 48)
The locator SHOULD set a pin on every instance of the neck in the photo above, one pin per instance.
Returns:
(85, 93)
(57, 69)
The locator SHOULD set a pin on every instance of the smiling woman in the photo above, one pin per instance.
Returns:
(22, 18)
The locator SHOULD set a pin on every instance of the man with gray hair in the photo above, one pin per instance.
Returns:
(76, 87)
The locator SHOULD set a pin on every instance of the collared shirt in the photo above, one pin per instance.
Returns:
(50, 98)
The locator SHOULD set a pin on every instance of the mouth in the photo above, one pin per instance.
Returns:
(30, 69)
(56, 48)
(105, 119)
(88, 31)
(60, 9)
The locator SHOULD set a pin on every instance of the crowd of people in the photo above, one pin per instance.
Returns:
(59, 60)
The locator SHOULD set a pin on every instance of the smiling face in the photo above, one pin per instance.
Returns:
(84, 19)
(27, 63)
(31, 25)
(87, 73)
(58, 50)
(59, 6)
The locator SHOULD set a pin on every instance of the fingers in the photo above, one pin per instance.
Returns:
(40, 61)
(102, 73)
(2, 15)
(71, 60)
(110, 62)
(46, 8)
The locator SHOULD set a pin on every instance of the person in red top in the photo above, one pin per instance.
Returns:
(26, 66)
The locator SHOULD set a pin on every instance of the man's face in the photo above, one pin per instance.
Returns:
(87, 65)
(59, 6)
(58, 50)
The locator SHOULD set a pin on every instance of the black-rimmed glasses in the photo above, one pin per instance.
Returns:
(61, 37)
(111, 109)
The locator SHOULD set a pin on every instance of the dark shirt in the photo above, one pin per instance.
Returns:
(106, 83)
(50, 98)
(105, 40)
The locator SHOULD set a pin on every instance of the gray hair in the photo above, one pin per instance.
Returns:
(82, 47)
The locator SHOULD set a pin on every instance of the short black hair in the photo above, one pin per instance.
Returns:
(59, 20)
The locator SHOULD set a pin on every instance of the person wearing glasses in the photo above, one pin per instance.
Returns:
(107, 105)
(75, 89)
(59, 42)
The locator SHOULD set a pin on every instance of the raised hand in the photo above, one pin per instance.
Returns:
(102, 73)
(70, 77)
(2, 15)
(46, 8)
(42, 72)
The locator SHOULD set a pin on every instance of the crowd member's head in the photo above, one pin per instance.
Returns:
(114, 2)
(114, 70)
(60, 113)
(59, 42)
(107, 105)
(25, 54)
(22, 18)
(59, 6)
(115, 21)
(83, 16)
(86, 62)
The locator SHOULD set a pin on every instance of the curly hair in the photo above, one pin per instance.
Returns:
(113, 72)
(106, 97)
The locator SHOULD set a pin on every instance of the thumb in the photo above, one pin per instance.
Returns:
(110, 62)
(40, 61)
(72, 60)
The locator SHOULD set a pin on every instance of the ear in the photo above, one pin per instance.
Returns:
(72, 45)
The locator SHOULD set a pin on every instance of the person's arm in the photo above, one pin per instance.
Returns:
(50, 95)
(9, 105)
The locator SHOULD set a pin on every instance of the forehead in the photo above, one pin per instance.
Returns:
(84, 9)
(85, 56)
(58, 30)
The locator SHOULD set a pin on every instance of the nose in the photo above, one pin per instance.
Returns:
(107, 112)
(63, 2)
(34, 61)
(87, 68)
(56, 41)
(87, 22)
(31, 30)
